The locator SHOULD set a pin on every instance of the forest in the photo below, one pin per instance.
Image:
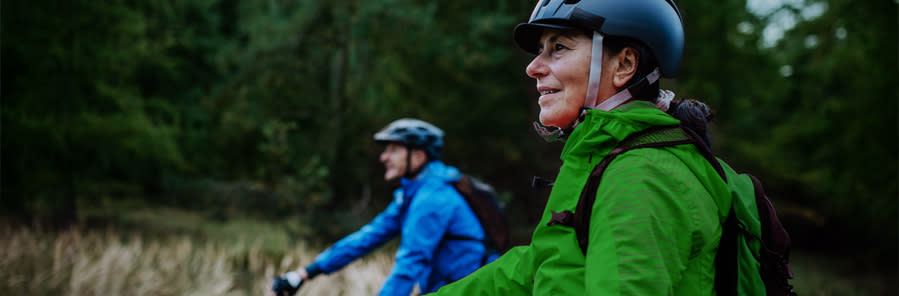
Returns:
(189, 117)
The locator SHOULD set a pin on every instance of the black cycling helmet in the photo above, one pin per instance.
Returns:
(655, 23)
(414, 133)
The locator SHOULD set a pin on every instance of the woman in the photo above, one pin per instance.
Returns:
(655, 223)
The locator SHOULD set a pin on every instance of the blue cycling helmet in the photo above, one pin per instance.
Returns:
(414, 133)
(655, 23)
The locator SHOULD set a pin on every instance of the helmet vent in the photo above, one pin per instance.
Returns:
(572, 1)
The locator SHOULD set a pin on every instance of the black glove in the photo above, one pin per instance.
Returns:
(287, 284)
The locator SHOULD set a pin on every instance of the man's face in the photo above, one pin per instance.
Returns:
(394, 160)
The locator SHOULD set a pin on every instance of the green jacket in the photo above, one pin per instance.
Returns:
(654, 229)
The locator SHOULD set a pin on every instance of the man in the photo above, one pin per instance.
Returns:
(441, 238)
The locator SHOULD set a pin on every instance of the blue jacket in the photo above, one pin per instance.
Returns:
(425, 211)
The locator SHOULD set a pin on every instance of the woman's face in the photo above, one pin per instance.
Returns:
(562, 69)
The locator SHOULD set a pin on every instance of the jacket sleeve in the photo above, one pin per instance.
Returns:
(426, 222)
(510, 274)
(640, 228)
(371, 236)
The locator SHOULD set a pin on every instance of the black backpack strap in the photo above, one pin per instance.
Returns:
(775, 241)
(659, 136)
(488, 212)
(487, 249)
(481, 199)
(726, 258)
(775, 245)
(664, 136)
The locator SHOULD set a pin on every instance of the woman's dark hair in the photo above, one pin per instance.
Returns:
(694, 115)
(647, 63)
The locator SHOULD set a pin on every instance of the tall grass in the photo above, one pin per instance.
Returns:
(110, 263)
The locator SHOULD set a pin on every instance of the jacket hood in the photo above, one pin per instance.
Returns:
(601, 131)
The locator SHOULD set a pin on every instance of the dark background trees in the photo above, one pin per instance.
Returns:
(265, 109)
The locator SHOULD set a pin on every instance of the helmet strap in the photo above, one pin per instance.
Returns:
(624, 95)
(551, 134)
(408, 174)
(595, 71)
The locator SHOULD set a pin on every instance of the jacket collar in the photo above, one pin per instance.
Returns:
(434, 170)
(601, 131)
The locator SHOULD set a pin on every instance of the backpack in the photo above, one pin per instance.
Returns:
(481, 198)
(753, 255)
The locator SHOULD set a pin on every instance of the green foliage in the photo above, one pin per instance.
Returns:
(814, 115)
(266, 108)
(75, 116)
(844, 73)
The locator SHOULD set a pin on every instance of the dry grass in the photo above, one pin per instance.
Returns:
(110, 263)
(827, 275)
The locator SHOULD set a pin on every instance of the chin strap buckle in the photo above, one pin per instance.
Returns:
(549, 133)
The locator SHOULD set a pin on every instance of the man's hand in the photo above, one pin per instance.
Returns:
(303, 274)
(289, 283)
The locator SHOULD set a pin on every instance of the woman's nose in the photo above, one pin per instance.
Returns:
(536, 68)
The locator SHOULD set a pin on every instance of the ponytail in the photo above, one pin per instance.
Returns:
(694, 115)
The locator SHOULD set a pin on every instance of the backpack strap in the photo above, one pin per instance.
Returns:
(655, 137)
(487, 249)
(487, 210)
(725, 259)
(489, 214)
(775, 245)
(775, 241)
(659, 136)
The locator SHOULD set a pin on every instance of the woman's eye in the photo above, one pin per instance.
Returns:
(554, 48)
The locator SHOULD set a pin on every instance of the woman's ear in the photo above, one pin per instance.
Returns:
(626, 62)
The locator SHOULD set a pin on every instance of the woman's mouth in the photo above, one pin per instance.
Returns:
(545, 90)
(545, 94)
